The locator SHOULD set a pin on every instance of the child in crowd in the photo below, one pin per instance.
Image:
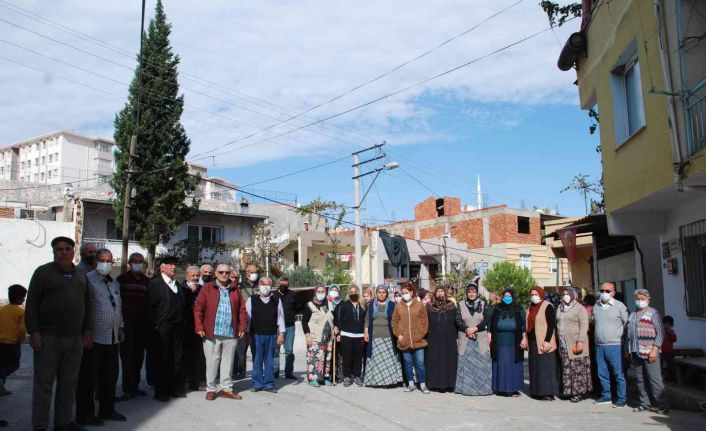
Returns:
(12, 333)
(670, 337)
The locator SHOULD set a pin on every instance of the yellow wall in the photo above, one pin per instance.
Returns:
(643, 164)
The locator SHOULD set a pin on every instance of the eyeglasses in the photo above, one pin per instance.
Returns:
(605, 291)
(223, 272)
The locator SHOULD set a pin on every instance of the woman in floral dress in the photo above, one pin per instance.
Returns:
(317, 323)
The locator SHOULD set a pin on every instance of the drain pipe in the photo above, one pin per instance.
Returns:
(679, 163)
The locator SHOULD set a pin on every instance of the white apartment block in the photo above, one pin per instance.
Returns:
(57, 158)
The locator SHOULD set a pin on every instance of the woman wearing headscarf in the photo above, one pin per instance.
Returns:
(474, 375)
(334, 299)
(383, 365)
(507, 329)
(317, 323)
(541, 343)
(441, 358)
(410, 325)
(572, 326)
(644, 337)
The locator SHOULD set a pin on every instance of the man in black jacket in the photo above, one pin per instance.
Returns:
(167, 302)
(349, 326)
(291, 307)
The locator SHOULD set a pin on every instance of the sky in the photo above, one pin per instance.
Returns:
(511, 118)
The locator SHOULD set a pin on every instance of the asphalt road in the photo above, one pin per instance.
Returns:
(299, 407)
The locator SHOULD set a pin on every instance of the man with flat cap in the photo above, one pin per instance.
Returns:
(59, 319)
(166, 301)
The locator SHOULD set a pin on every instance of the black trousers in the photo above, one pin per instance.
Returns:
(98, 377)
(194, 360)
(169, 350)
(132, 355)
(352, 355)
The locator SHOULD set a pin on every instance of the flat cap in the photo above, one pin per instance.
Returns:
(65, 239)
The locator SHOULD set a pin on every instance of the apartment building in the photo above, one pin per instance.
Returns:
(57, 158)
(641, 65)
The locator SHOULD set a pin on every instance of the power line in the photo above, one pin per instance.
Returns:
(298, 172)
(330, 217)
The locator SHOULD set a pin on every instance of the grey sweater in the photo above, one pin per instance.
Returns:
(58, 303)
(609, 322)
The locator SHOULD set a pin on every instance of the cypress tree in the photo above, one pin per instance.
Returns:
(163, 195)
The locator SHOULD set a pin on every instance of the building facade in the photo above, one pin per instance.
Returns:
(644, 72)
(57, 158)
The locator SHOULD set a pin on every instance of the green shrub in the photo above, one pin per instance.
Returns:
(506, 275)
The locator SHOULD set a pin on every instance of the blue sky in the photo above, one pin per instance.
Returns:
(511, 118)
(520, 152)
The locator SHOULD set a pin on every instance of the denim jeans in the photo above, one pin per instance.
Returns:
(288, 352)
(609, 359)
(262, 369)
(414, 359)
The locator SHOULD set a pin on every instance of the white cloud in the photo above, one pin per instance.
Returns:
(292, 54)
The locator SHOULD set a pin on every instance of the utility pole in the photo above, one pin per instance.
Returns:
(358, 201)
(133, 148)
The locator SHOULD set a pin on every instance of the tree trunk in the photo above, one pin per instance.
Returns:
(151, 250)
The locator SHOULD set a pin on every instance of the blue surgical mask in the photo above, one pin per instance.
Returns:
(640, 304)
(507, 300)
(605, 296)
(320, 296)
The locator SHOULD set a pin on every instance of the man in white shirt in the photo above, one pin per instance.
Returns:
(267, 328)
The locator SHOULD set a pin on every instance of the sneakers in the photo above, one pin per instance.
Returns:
(619, 405)
(576, 399)
(328, 383)
(424, 389)
(603, 401)
(359, 381)
(409, 388)
(314, 384)
(347, 382)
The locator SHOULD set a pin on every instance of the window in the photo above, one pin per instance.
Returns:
(526, 261)
(51, 158)
(42, 176)
(105, 147)
(626, 86)
(49, 174)
(44, 161)
(553, 265)
(112, 231)
(523, 224)
(206, 234)
(693, 243)
(23, 165)
(103, 164)
(29, 164)
(44, 145)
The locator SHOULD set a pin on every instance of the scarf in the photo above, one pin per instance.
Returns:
(574, 294)
(534, 308)
(476, 306)
(440, 306)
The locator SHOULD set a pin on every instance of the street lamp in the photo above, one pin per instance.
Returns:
(358, 202)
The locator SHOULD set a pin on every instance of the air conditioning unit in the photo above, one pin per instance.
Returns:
(26, 213)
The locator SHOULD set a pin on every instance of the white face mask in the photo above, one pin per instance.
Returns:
(535, 299)
(253, 277)
(136, 267)
(104, 268)
(640, 304)
(605, 296)
(566, 299)
(320, 296)
(333, 294)
(406, 297)
(265, 289)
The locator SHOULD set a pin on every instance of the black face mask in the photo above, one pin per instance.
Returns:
(206, 278)
(353, 297)
(284, 287)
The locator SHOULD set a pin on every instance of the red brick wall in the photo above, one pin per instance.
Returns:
(7, 212)
(469, 232)
(503, 228)
(427, 210)
(430, 232)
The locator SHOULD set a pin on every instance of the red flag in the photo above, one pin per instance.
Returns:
(568, 240)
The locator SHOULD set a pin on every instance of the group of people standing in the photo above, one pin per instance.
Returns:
(83, 323)
(476, 348)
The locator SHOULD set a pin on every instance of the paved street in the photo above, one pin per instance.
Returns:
(297, 406)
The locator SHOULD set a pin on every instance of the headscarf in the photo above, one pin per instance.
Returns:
(574, 294)
(439, 306)
(508, 308)
(478, 304)
(334, 300)
(534, 308)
